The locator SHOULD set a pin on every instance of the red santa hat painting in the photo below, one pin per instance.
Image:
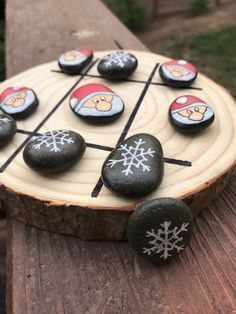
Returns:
(190, 111)
(18, 101)
(178, 73)
(75, 56)
(96, 101)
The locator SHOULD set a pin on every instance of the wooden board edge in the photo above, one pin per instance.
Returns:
(90, 222)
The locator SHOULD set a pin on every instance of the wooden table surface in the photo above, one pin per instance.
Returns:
(52, 273)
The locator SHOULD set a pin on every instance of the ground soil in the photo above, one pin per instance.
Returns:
(166, 30)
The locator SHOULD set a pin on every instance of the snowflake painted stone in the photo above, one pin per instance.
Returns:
(18, 102)
(160, 229)
(178, 73)
(96, 103)
(134, 168)
(117, 65)
(54, 151)
(72, 62)
(7, 129)
(190, 114)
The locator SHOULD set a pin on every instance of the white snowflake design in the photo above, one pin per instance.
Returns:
(119, 58)
(165, 240)
(4, 120)
(133, 157)
(53, 140)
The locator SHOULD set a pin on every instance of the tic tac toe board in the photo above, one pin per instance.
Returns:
(76, 202)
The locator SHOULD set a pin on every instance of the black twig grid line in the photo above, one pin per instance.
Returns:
(130, 80)
(174, 161)
(123, 135)
(51, 112)
(99, 184)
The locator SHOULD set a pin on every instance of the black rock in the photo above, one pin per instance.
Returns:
(178, 73)
(7, 129)
(74, 61)
(54, 151)
(189, 114)
(135, 167)
(96, 103)
(160, 229)
(18, 102)
(117, 65)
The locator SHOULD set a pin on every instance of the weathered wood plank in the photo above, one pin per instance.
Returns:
(54, 273)
(2, 262)
(39, 31)
(51, 273)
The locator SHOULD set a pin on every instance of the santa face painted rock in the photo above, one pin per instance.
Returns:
(134, 168)
(7, 129)
(190, 114)
(72, 62)
(96, 103)
(54, 151)
(160, 229)
(178, 73)
(117, 65)
(18, 102)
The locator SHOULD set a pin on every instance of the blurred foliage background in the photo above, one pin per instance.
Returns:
(130, 12)
(201, 31)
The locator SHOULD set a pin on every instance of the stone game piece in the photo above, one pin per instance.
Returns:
(7, 129)
(178, 73)
(135, 167)
(18, 102)
(54, 151)
(117, 65)
(190, 114)
(96, 103)
(74, 61)
(160, 229)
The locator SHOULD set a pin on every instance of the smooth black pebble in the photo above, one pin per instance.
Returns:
(160, 229)
(117, 65)
(134, 168)
(190, 114)
(7, 129)
(18, 102)
(96, 103)
(72, 62)
(54, 151)
(178, 73)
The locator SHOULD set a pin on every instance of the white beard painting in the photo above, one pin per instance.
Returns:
(185, 120)
(28, 100)
(79, 58)
(187, 77)
(116, 106)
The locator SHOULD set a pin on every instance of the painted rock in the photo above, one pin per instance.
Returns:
(54, 151)
(18, 102)
(160, 229)
(7, 129)
(178, 73)
(72, 62)
(135, 167)
(96, 103)
(117, 65)
(190, 114)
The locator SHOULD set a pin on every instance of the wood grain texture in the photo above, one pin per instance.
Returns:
(52, 273)
(37, 32)
(61, 274)
(65, 202)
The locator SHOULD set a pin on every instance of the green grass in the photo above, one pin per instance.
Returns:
(214, 54)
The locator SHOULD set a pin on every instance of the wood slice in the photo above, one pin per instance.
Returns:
(75, 202)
